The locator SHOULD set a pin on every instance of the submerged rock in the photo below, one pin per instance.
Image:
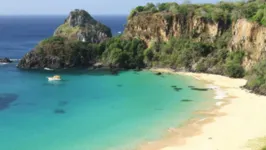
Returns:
(186, 100)
(6, 99)
(59, 111)
(119, 85)
(177, 89)
(199, 89)
(158, 73)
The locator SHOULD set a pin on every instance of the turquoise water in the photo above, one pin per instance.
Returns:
(91, 110)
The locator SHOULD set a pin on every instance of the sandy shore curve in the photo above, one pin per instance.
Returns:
(240, 118)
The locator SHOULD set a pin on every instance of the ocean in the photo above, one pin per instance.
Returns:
(87, 110)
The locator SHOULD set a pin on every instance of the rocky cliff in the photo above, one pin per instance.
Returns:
(162, 26)
(246, 36)
(250, 37)
(81, 26)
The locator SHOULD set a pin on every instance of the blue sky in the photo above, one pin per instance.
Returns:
(63, 7)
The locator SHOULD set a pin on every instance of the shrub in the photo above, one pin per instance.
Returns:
(123, 53)
(234, 70)
(257, 78)
(233, 66)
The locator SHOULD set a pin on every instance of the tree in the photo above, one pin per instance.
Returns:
(139, 8)
(174, 8)
(149, 7)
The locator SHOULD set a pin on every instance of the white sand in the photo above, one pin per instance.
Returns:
(244, 119)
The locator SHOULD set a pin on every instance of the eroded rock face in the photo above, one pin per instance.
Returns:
(33, 60)
(81, 26)
(246, 36)
(163, 26)
(251, 37)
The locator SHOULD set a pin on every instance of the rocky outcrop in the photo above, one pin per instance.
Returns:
(162, 26)
(33, 60)
(81, 26)
(57, 53)
(70, 45)
(5, 60)
(251, 37)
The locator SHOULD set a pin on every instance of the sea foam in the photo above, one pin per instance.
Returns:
(219, 93)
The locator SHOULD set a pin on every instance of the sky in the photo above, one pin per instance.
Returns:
(63, 7)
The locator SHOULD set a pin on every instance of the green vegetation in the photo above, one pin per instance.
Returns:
(70, 53)
(257, 78)
(176, 53)
(66, 30)
(233, 66)
(114, 52)
(189, 55)
(123, 53)
(253, 10)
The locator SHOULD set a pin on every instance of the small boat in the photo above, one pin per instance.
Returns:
(48, 69)
(54, 78)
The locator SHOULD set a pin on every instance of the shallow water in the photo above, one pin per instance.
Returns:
(92, 110)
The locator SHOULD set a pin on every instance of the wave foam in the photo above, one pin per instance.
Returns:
(219, 93)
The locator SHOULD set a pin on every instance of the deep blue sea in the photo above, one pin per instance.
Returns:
(87, 110)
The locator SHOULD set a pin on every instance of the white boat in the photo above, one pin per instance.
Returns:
(54, 78)
(49, 69)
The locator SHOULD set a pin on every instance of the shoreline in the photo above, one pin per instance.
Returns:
(236, 119)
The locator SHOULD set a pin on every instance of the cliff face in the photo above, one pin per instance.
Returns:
(163, 26)
(247, 36)
(250, 37)
(81, 26)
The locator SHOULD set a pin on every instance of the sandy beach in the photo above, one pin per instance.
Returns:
(238, 122)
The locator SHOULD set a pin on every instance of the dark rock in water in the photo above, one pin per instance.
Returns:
(59, 111)
(6, 99)
(119, 85)
(62, 103)
(199, 89)
(158, 73)
(186, 100)
(5, 60)
(177, 89)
